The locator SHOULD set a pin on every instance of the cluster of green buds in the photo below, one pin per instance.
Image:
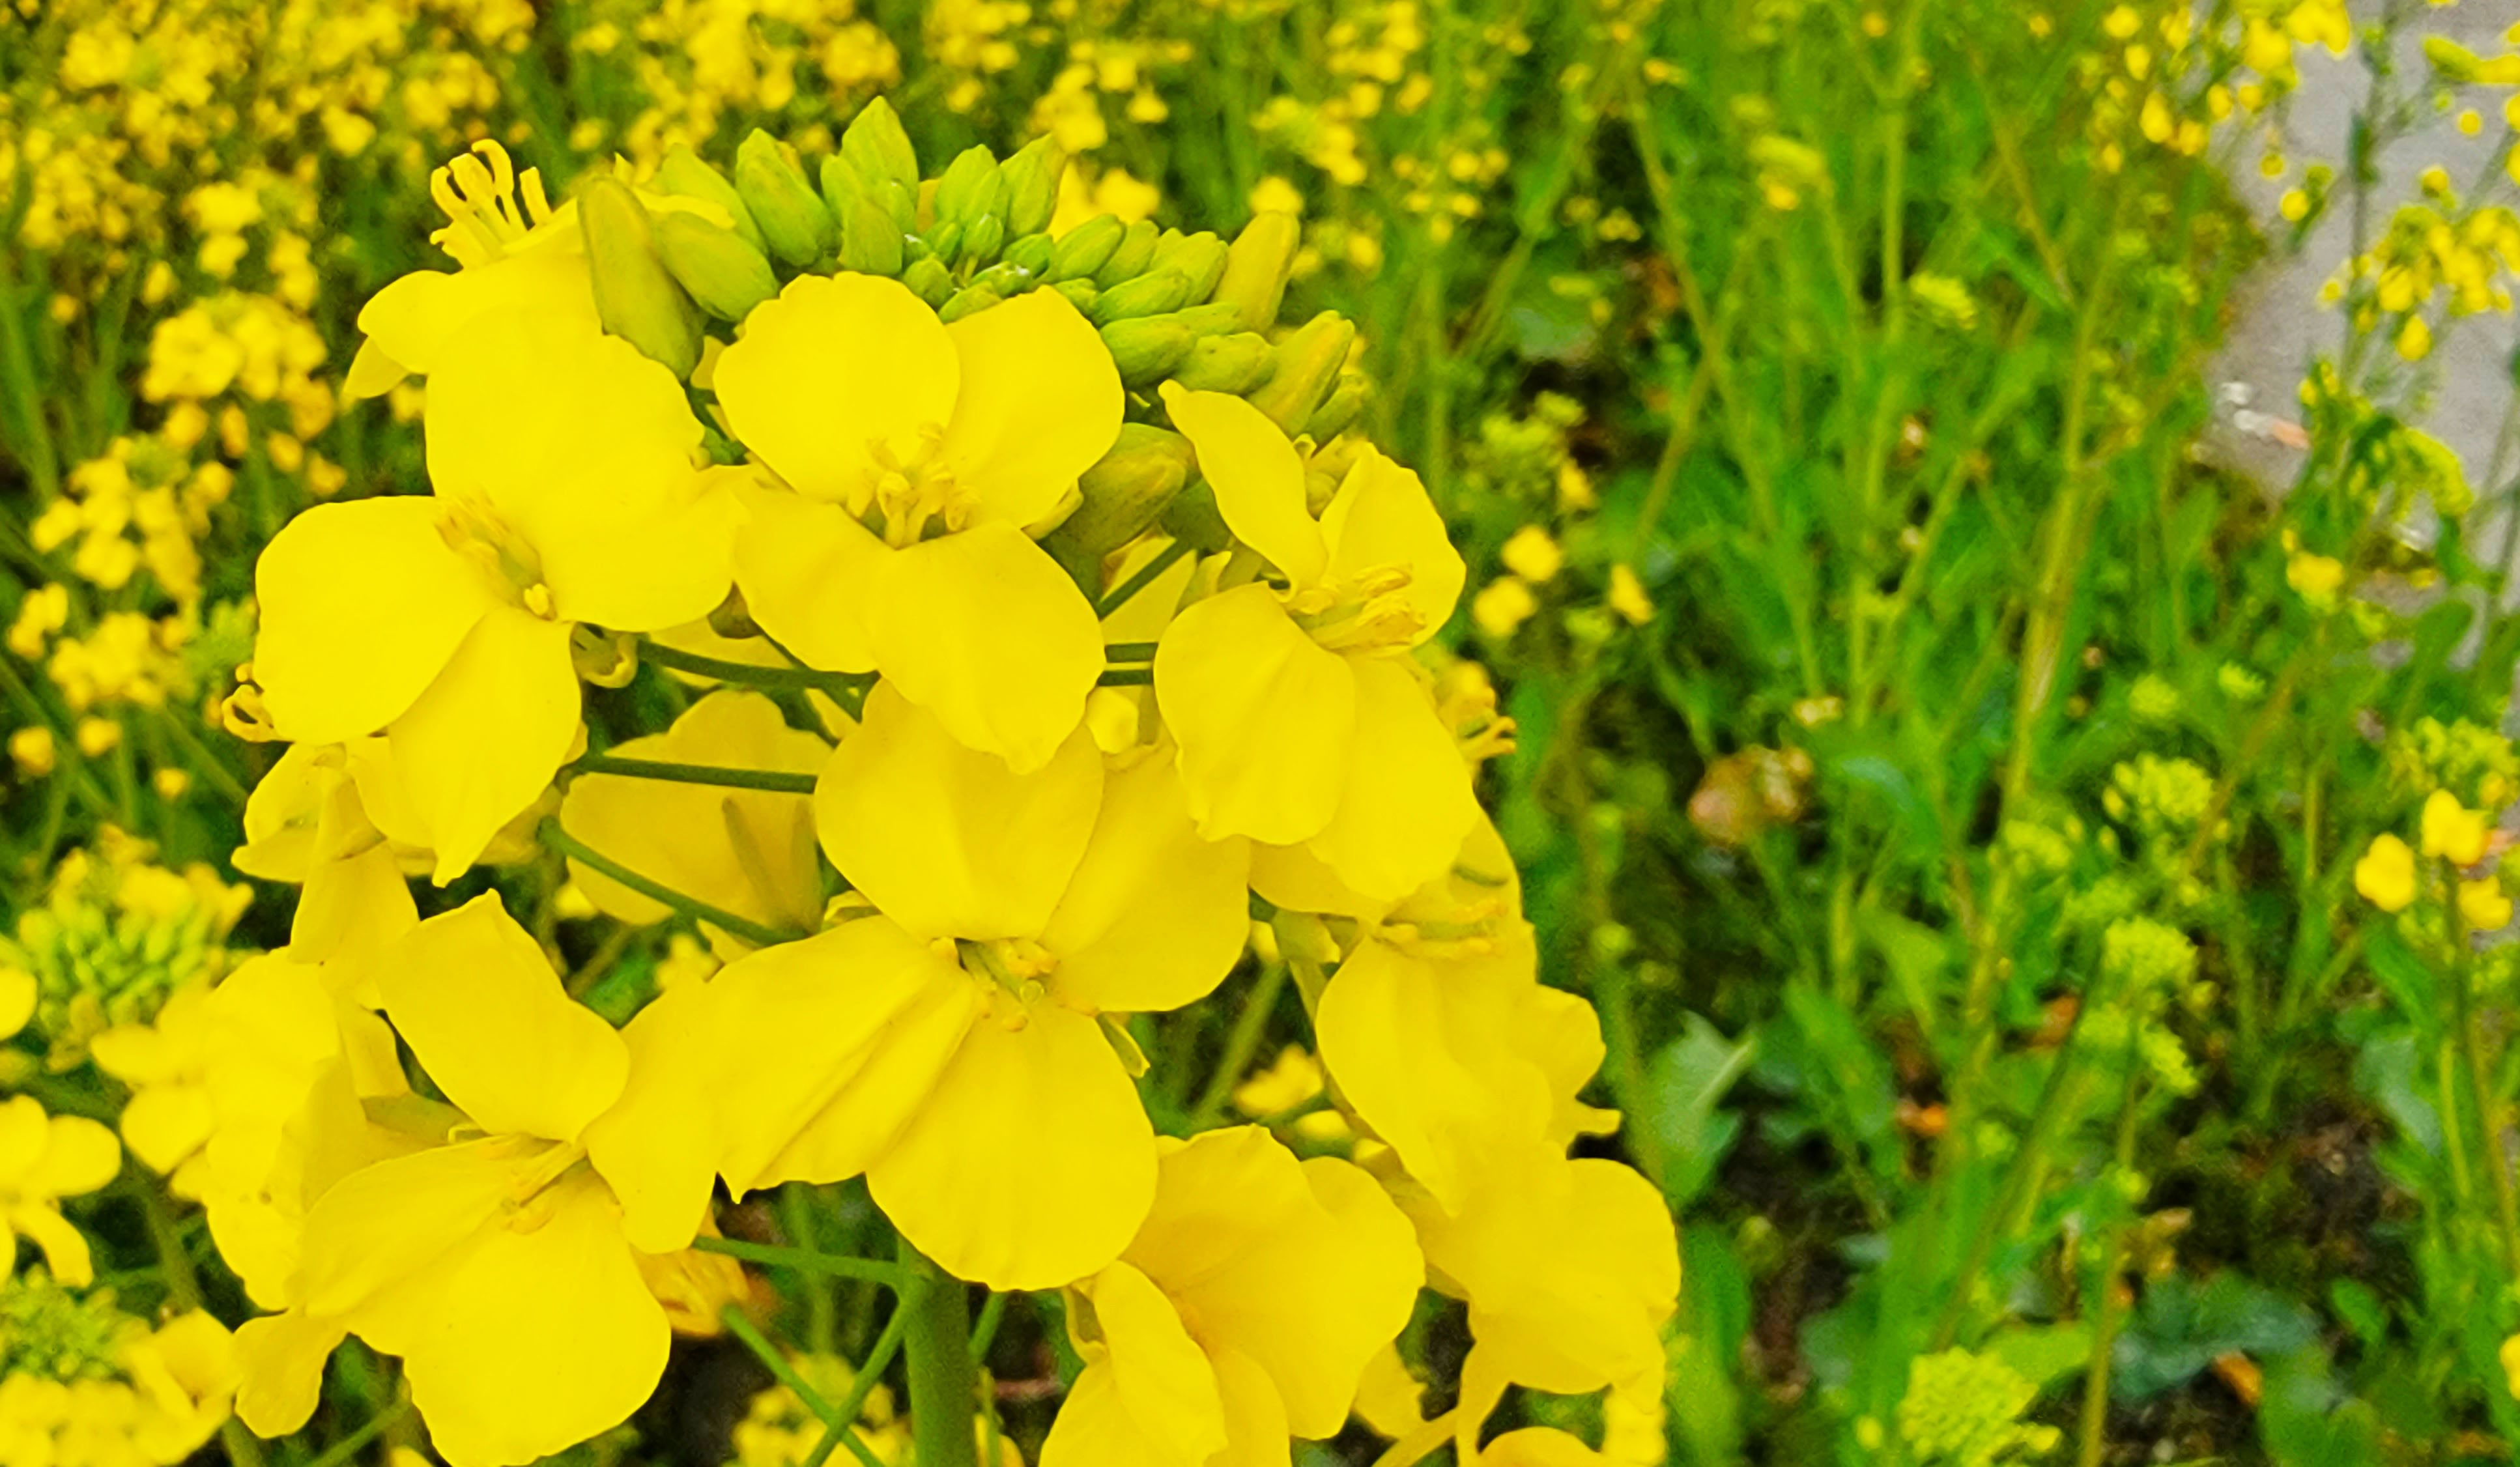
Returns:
(54, 1333)
(1187, 308)
(1963, 1409)
(115, 936)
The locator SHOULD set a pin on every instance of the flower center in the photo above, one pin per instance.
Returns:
(1368, 612)
(510, 568)
(912, 495)
(1020, 968)
(479, 198)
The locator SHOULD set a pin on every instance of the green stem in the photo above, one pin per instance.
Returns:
(984, 1332)
(2471, 1034)
(758, 677)
(1128, 651)
(942, 1382)
(807, 1261)
(1126, 677)
(1143, 577)
(750, 931)
(2096, 1380)
(775, 1362)
(341, 1452)
(773, 780)
(1259, 1002)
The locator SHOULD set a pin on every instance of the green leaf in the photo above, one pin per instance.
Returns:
(1684, 1083)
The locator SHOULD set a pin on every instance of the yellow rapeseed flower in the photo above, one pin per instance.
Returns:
(2453, 832)
(2386, 873)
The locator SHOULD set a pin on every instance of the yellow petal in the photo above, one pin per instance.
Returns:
(64, 1248)
(483, 741)
(165, 1124)
(835, 373)
(1255, 1416)
(419, 315)
(386, 1225)
(745, 851)
(281, 1358)
(584, 449)
(350, 909)
(81, 1155)
(658, 1146)
(946, 840)
(1381, 518)
(1570, 1269)
(1032, 1162)
(1040, 402)
(559, 1304)
(1427, 1054)
(1266, 718)
(1154, 918)
(985, 630)
(1258, 481)
(362, 604)
(1408, 803)
(17, 999)
(839, 1037)
(24, 1131)
(1163, 1379)
(1304, 1266)
(807, 569)
(474, 995)
(1539, 1447)
(1095, 1429)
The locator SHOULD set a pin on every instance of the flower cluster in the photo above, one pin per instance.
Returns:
(1037, 584)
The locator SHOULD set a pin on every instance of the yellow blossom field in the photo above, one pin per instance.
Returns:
(1258, 733)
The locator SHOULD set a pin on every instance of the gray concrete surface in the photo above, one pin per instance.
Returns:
(2467, 381)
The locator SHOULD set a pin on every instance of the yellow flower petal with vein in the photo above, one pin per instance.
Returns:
(561, 1306)
(839, 1037)
(474, 995)
(985, 627)
(1031, 1164)
(362, 605)
(835, 371)
(945, 840)
(805, 567)
(1258, 481)
(1163, 1379)
(1266, 719)
(282, 1369)
(1154, 916)
(1040, 401)
(1407, 801)
(512, 674)
(657, 1147)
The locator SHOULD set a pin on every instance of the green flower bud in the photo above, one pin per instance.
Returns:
(1257, 265)
(724, 273)
(1192, 519)
(1147, 295)
(1083, 251)
(636, 295)
(841, 187)
(945, 240)
(869, 238)
(1146, 348)
(928, 280)
(973, 185)
(982, 240)
(1031, 253)
(684, 174)
(878, 150)
(1080, 293)
(1122, 495)
(1308, 365)
(1235, 364)
(1005, 279)
(795, 226)
(1136, 247)
(1339, 409)
(1032, 185)
(1199, 257)
(965, 301)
